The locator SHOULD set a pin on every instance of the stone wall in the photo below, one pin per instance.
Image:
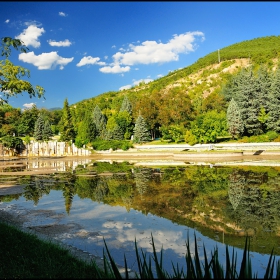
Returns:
(47, 149)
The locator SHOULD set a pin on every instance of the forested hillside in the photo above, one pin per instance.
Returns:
(234, 98)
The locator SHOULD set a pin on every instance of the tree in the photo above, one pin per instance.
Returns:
(39, 127)
(42, 130)
(47, 131)
(100, 121)
(11, 83)
(141, 132)
(234, 120)
(26, 123)
(273, 121)
(126, 105)
(207, 127)
(86, 131)
(67, 131)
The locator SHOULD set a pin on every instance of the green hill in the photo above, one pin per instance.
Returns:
(187, 94)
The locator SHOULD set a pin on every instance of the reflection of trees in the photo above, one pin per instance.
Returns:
(142, 177)
(236, 188)
(101, 190)
(255, 202)
(36, 189)
(68, 191)
(85, 187)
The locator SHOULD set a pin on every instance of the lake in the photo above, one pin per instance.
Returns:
(123, 202)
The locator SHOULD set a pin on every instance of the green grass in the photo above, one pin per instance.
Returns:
(23, 255)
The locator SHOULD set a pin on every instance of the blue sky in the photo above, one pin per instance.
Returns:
(78, 50)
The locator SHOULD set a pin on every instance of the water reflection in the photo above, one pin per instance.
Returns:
(121, 202)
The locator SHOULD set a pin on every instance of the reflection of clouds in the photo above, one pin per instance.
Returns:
(117, 225)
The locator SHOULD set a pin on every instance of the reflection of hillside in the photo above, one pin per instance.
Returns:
(219, 202)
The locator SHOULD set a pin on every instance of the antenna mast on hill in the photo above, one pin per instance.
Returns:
(219, 55)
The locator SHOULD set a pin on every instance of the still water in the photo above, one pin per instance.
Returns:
(121, 203)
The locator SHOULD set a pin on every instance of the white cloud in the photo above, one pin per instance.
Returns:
(114, 46)
(30, 36)
(90, 60)
(125, 87)
(62, 14)
(152, 52)
(45, 60)
(28, 105)
(65, 43)
(114, 69)
(159, 75)
(7, 21)
(136, 83)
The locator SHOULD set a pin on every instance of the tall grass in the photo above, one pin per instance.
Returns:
(25, 256)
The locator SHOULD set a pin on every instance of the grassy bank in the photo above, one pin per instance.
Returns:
(23, 255)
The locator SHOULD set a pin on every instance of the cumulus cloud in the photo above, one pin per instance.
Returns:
(136, 83)
(45, 60)
(62, 14)
(125, 87)
(152, 52)
(65, 43)
(28, 105)
(7, 21)
(90, 60)
(30, 36)
(114, 69)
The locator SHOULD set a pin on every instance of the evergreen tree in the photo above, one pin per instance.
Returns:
(39, 128)
(273, 122)
(117, 133)
(248, 102)
(234, 120)
(47, 131)
(141, 132)
(100, 122)
(67, 131)
(126, 105)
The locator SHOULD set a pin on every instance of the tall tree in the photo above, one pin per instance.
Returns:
(234, 120)
(126, 105)
(141, 131)
(11, 76)
(100, 121)
(39, 128)
(67, 131)
(86, 131)
(47, 131)
(273, 121)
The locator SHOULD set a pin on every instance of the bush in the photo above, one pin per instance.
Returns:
(190, 138)
(103, 145)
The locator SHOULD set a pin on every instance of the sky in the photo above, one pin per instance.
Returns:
(79, 50)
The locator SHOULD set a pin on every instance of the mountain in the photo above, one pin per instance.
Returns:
(183, 95)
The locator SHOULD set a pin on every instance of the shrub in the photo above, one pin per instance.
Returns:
(101, 145)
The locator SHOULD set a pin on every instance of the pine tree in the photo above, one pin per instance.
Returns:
(234, 120)
(126, 105)
(47, 131)
(248, 102)
(273, 122)
(117, 133)
(39, 128)
(67, 131)
(141, 132)
(100, 122)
